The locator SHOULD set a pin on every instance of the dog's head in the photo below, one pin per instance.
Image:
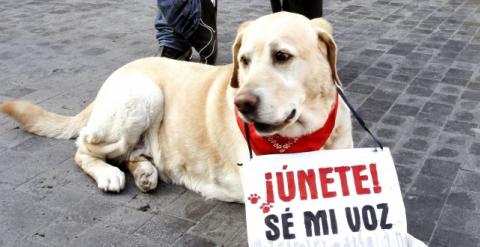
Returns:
(284, 69)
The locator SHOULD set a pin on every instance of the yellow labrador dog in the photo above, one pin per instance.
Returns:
(176, 120)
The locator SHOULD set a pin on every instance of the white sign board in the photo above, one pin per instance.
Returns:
(328, 198)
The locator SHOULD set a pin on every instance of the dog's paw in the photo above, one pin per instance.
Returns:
(146, 176)
(110, 179)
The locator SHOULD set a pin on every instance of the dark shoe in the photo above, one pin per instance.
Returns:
(165, 51)
(204, 39)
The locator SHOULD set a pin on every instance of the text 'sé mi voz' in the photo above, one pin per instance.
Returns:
(324, 222)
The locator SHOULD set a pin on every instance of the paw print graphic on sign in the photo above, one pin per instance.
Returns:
(265, 207)
(253, 198)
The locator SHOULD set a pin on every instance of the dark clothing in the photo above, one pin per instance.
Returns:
(309, 8)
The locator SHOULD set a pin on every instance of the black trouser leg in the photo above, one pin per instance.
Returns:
(309, 8)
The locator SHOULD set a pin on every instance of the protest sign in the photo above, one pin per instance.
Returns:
(339, 198)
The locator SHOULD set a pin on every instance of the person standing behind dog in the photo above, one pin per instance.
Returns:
(181, 24)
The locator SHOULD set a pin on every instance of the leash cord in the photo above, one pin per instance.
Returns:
(247, 137)
(357, 116)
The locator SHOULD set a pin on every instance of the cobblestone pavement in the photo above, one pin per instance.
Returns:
(411, 68)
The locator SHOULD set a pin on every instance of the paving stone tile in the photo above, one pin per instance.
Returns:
(451, 238)
(17, 92)
(394, 120)
(468, 180)
(446, 153)
(419, 91)
(469, 105)
(430, 186)
(99, 236)
(386, 133)
(474, 86)
(384, 94)
(460, 220)
(422, 214)
(471, 95)
(419, 56)
(448, 89)
(433, 71)
(356, 99)
(46, 182)
(424, 83)
(406, 176)
(378, 72)
(373, 110)
(11, 158)
(475, 148)
(240, 239)
(434, 120)
(435, 108)
(455, 81)
(20, 174)
(221, 223)
(369, 80)
(13, 137)
(190, 206)
(404, 110)
(9, 236)
(168, 193)
(360, 88)
(444, 98)
(30, 221)
(164, 229)
(453, 140)
(406, 157)
(470, 53)
(460, 127)
(464, 199)
(393, 86)
(416, 144)
(58, 233)
(440, 168)
(126, 220)
(425, 131)
(459, 73)
(402, 48)
(384, 65)
(189, 240)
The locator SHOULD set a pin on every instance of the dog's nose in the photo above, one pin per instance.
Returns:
(246, 102)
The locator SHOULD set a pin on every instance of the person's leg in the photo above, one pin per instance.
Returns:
(309, 8)
(196, 21)
(276, 5)
(172, 44)
(204, 39)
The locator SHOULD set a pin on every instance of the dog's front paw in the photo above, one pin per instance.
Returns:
(146, 176)
(110, 179)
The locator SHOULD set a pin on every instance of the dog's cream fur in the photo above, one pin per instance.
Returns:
(175, 120)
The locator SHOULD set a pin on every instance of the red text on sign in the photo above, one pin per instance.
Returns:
(312, 184)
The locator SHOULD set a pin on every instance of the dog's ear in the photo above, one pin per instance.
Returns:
(236, 46)
(324, 32)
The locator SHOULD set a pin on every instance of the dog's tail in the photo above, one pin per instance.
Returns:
(34, 119)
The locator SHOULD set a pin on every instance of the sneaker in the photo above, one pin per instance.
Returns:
(204, 39)
(165, 51)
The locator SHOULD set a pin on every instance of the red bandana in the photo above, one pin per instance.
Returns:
(278, 144)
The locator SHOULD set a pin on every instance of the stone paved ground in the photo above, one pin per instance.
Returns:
(411, 68)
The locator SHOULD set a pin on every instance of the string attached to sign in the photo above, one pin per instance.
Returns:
(357, 116)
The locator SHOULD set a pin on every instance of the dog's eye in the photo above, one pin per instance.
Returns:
(282, 57)
(244, 60)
